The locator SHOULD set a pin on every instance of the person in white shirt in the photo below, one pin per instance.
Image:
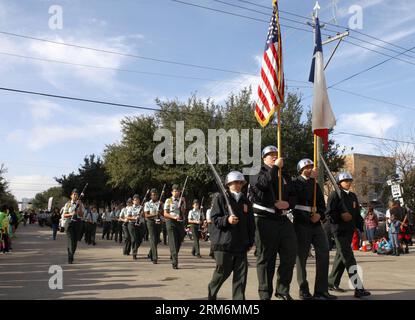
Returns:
(195, 220)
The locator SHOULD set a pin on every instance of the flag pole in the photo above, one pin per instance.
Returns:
(314, 210)
(279, 152)
(275, 5)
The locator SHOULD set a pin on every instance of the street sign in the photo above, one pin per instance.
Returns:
(396, 191)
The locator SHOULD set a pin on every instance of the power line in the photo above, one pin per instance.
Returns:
(371, 137)
(366, 70)
(79, 99)
(331, 24)
(121, 53)
(303, 23)
(375, 99)
(287, 26)
(148, 108)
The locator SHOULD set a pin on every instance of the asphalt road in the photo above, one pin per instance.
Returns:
(102, 272)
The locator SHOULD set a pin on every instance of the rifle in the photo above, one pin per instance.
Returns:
(221, 187)
(138, 222)
(158, 205)
(181, 197)
(75, 216)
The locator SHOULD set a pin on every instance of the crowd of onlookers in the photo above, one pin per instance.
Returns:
(394, 236)
(9, 221)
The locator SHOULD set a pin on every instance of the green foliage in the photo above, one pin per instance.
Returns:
(5, 196)
(130, 164)
(40, 202)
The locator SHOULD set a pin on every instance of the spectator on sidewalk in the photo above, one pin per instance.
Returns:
(371, 225)
(4, 229)
(394, 227)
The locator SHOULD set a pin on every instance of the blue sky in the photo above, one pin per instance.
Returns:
(43, 137)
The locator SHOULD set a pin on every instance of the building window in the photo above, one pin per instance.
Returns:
(364, 172)
(364, 190)
(376, 171)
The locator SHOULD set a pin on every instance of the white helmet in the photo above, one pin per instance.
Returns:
(343, 176)
(269, 149)
(304, 163)
(234, 176)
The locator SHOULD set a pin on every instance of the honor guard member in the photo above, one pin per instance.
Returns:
(135, 225)
(114, 223)
(120, 229)
(345, 217)
(151, 212)
(274, 231)
(209, 224)
(124, 226)
(93, 225)
(106, 218)
(195, 219)
(232, 237)
(73, 211)
(174, 225)
(307, 225)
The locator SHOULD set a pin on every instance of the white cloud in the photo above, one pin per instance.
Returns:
(44, 109)
(28, 186)
(89, 128)
(369, 123)
(54, 72)
(220, 91)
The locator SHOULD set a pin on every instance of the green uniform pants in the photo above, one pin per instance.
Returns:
(274, 237)
(135, 236)
(308, 235)
(153, 234)
(226, 263)
(344, 259)
(127, 239)
(72, 232)
(176, 234)
(196, 236)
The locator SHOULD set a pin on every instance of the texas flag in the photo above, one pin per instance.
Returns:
(322, 116)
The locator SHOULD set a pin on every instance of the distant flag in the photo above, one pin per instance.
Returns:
(271, 87)
(322, 115)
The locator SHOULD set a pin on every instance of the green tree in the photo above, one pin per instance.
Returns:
(41, 199)
(6, 198)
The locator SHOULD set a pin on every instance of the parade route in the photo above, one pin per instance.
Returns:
(102, 272)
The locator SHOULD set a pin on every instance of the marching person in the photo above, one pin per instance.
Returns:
(274, 232)
(106, 229)
(345, 218)
(309, 231)
(232, 237)
(135, 227)
(93, 225)
(173, 212)
(151, 212)
(195, 219)
(74, 211)
(55, 222)
(120, 226)
(114, 223)
(123, 220)
(209, 224)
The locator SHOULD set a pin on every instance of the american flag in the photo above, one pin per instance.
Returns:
(271, 87)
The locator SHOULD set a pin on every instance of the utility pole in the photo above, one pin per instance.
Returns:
(338, 37)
